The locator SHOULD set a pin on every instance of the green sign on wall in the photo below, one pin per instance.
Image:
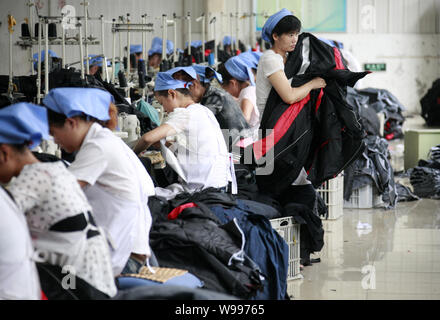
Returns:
(375, 67)
(315, 15)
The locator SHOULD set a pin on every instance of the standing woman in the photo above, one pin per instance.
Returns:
(58, 215)
(239, 80)
(111, 175)
(282, 30)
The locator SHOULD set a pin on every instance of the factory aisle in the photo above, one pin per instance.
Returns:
(400, 256)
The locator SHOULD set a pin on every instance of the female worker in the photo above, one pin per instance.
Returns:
(282, 30)
(239, 80)
(57, 212)
(200, 147)
(113, 178)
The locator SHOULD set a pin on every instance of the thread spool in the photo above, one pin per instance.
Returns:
(141, 80)
(25, 33)
(36, 30)
(122, 80)
(141, 66)
(125, 63)
(133, 60)
(52, 30)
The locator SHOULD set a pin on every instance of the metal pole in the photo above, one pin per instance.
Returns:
(10, 87)
(81, 55)
(31, 23)
(104, 66)
(203, 37)
(120, 45)
(85, 3)
(143, 38)
(175, 42)
(236, 31)
(164, 36)
(215, 40)
(46, 60)
(230, 26)
(63, 48)
(128, 49)
(39, 63)
(114, 53)
(189, 35)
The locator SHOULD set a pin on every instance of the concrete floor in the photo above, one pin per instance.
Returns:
(400, 254)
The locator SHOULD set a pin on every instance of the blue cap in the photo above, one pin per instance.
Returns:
(251, 56)
(156, 46)
(165, 81)
(240, 69)
(43, 54)
(201, 71)
(189, 70)
(194, 44)
(227, 40)
(96, 61)
(272, 22)
(136, 48)
(73, 102)
(23, 123)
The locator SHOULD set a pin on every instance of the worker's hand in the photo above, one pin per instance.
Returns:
(318, 83)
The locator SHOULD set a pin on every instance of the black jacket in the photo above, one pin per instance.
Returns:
(322, 132)
(196, 242)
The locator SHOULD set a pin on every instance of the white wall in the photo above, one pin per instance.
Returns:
(405, 34)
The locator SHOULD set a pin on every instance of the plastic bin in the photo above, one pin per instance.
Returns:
(365, 197)
(332, 191)
(289, 231)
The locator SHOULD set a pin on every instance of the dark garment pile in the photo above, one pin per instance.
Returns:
(382, 100)
(431, 105)
(321, 133)
(372, 167)
(425, 179)
(186, 234)
(405, 194)
(368, 116)
(301, 202)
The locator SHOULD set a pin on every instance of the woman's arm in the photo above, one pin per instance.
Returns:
(153, 136)
(291, 95)
(247, 107)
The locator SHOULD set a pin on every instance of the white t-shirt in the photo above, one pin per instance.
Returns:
(271, 62)
(48, 193)
(118, 191)
(200, 148)
(18, 274)
(250, 94)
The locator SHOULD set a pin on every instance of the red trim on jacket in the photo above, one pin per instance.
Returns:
(261, 147)
(177, 211)
(338, 59)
